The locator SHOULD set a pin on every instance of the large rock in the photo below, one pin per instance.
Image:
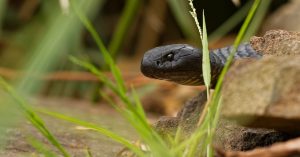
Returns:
(251, 89)
(264, 93)
(229, 136)
(277, 42)
(283, 149)
(286, 17)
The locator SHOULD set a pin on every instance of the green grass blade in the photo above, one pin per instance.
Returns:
(100, 75)
(33, 117)
(2, 10)
(205, 58)
(138, 104)
(107, 57)
(194, 15)
(256, 22)
(140, 124)
(238, 40)
(180, 11)
(51, 46)
(137, 120)
(96, 128)
(40, 147)
(110, 84)
(88, 153)
(125, 22)
(245, 25)
(215, 102)
(230, 23)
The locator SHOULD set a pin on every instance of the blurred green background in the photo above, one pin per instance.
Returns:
(38, 36)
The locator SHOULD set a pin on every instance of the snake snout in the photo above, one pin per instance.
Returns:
(147, 66)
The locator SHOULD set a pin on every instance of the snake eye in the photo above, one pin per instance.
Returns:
(170, 56)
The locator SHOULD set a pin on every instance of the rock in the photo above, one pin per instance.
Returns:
(277, 42)
(285, 149)
(233, 137)
(187, 117)
(268, 87)
(286, 17)
(229, 136)
(264, 93)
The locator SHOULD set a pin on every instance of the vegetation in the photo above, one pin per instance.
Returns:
(132, 110)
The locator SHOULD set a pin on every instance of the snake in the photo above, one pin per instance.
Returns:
(182, 63)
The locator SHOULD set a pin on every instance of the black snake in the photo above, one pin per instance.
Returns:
(182, 63)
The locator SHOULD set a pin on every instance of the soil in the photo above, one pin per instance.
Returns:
(74, 138)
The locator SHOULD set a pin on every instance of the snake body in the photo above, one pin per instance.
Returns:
(182, 63)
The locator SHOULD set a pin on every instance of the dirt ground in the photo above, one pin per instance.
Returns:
(74, 138)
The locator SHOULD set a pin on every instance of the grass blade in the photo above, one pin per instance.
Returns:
(33, 117)
(126, 19)
(96, 128)
(205, 59)
(138, 104)
(40, 147)
(194, 15)
(255, 22)
(230, 23)
(216, 102)
(180, 11)
(107, 57)
(2, 10)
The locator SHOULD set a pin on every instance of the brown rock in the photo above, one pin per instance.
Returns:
(286, 17)
(229, 136)
(277, 42)
(264, 93)
(284, 149)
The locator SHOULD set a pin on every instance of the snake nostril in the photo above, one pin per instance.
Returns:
(157, 63)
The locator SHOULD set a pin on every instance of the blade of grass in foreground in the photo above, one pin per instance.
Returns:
(107, 57)
(237, 41)
(157, 146)
(180, 10)
(259, 16)
(216, 98)
(40, 147)
(212, 113)
(96, 128)
(230, 23)
(126, 19)
(33, 117)
(205, 52)
(103, 78)
(2, 10)
(134, 114)
(205, 59)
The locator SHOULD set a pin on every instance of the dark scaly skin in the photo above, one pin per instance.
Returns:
(182, 63)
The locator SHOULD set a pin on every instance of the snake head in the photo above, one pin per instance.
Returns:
(179, 63)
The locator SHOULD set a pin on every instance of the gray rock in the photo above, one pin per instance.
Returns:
(264, 93)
